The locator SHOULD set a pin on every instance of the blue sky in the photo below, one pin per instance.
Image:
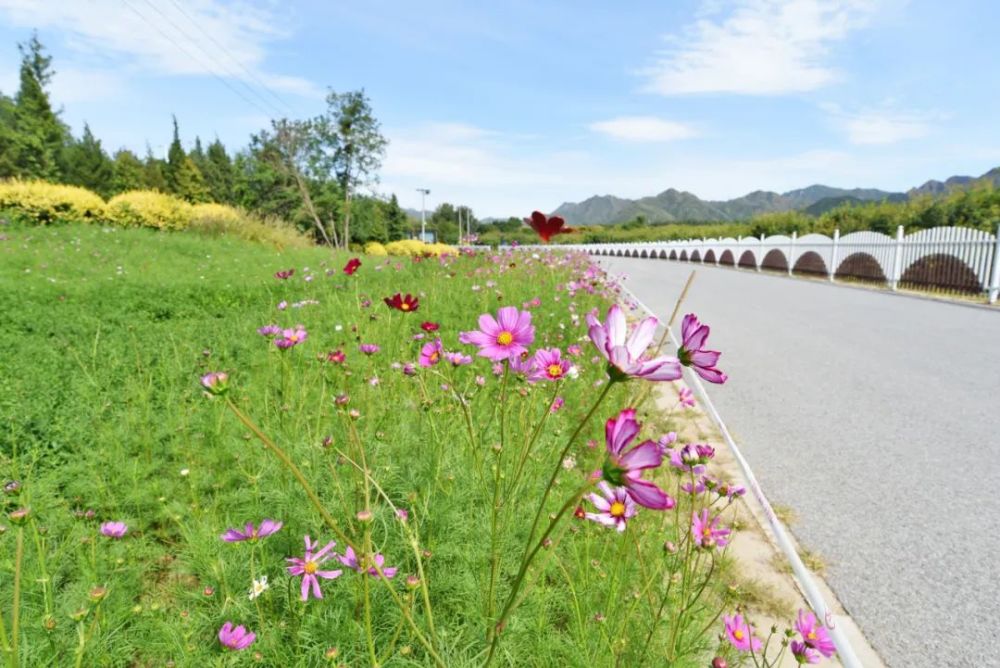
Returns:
(515, 106)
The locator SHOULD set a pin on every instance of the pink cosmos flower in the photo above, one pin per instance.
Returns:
(430, 353)
(625, 353)
(336, 356)
(308, 567)
(615, 506)
(509, 334)
(707, 532)
(557, 403)
(693, 337)
(803, 653)
(350, 559)
(236, 639)
(114, 529)
(458, 359)
(691, 458)
(269, 330)
(624, 468)
(250, 532)
(814, 634)
(574, 350)
(369, 348)
(291, 337)
(548, 364)
(216, 382)
(739, 634)
(686, 397)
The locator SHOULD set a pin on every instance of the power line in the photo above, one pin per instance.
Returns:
(240, 65)
(267, 112)
(212, 59)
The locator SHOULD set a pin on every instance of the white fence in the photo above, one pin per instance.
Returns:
(947, 259)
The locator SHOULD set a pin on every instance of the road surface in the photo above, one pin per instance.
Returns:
(877, 418)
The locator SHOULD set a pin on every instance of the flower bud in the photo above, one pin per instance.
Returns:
(97, 594)
(364, 516)
(79, 615)
(12, 487)
(216, 383)
(49, 623)
(331, 653)
(19, 516)
(412, 581)
(719, 662)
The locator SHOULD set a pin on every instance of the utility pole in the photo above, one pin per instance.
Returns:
(424, 192)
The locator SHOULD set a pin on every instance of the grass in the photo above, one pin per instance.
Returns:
(101, 418)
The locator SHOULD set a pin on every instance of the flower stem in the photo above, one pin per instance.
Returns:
(15, 625)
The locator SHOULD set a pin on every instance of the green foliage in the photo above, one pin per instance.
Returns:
(85, 164)
(219, 174)
(41, 203)
(128, 172)
(154, 172)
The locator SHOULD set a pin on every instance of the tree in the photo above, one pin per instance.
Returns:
(175, 160)
(154, 174)
(8, 139)
(218, 173)
(127, 172)
(39, 135)
(350, 144)
(396, 221)
(86, 164)
(188, 182)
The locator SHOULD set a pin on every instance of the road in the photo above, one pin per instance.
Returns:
(877, 418)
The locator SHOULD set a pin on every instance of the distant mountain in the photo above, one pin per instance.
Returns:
(677, 205)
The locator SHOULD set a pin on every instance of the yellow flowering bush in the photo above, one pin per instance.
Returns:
(415, 247)
(221, 220)
(41, 203)
(147, 208)
(376, 249)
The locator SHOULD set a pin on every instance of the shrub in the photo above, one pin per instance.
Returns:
(147, 208)
(417, 248)
(40, 203)
(375, 248)
(220, 220)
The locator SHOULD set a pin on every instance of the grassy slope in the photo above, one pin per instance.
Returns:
(104, 336)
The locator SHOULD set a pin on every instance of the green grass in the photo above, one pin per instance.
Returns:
(105, 334)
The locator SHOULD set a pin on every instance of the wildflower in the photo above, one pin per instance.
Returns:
(497, 369)
(185, 472)
(284, 275)
(402, 303)
(252, 533)
(548, 364)
(11, 487)
(341, 399)
(403, 514)
(429, 326)
(557, 403)
(458, 359)
(686, 397)
(719, 662)
(236, 639)
(480, 381)
(216, 382)
(430, 353)
(282, 305)
(573, 350)
(269, 330)
(409, 369)
(373, 381)
(369, 348)
(308, 567)
(523, 364)
(624, 468)
(259, 587)
(689, 459)
(707, 532)
(350, 559)
(509, 334)
(114, 529)
(546, 228)
(569, 463)
(352, 266)
(803, 653)
(739, 634)
(625, 355)
(814, 634)
(615, 506)
(291, 337)
(666, 441)
(336, 356)
(693, 337)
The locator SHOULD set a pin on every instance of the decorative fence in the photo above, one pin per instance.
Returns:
(943, 259)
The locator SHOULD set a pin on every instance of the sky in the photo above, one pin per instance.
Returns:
(521, 105)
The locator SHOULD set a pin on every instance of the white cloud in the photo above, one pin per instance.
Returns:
(883, 125)
(195, 37)
(763, 47)
(643, 129)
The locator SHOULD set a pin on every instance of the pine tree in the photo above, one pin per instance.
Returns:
(39, 135)
(397, 224)
(219, 173)
(189, 184)
(8, 143)
(86, 164)
(128, 172)
(175, 159)
(154, 172)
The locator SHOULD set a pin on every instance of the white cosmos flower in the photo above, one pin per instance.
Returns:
(259, 587)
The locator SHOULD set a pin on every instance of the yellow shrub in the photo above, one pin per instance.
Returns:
(147, 208)
(415, 247)
(221, 220)
(215, 214)
(42, 203)
(376, 249)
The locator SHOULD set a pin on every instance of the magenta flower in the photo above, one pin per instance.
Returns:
(523, 364)
(216, 382)
(114, 529)
(624, 468)
(693, 337)
(691, 458)
(350, 559)
(615, 507)
(557, 403)
(458, 359)
(430, 353)
(803, 653)
(708, 532)
(369, 348)
(814, 634)
(236, 639)
(498, 339)
(686, 397)
(625, 353)
(269, 330)
(308, 567)
(739, 633)
(267, 527)
(291, 337)
(548, 364)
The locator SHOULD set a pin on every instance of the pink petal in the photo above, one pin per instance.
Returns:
(660, 369)
(649, 495)
(616, 326)
(641, 337)
(646, 455)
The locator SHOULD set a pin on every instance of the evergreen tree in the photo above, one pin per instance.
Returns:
(8, 142)
(128, 172)
(175, 159)
(189, 184)
(218, 173)
(39, 135)
(86, 164)
(154, 172)
(396, 221)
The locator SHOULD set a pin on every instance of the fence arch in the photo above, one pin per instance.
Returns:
(861, 266)
(774, 260)
(748, 260)
(709, 256)
(810, 262)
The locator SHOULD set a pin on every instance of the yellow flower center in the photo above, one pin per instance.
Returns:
(311, 567)
(404, 307)
(505, 338)
(555, 371)
(294, 338)
(617, 509)
(738, 634)
(811, 635)
(434, 356)
(706, 532)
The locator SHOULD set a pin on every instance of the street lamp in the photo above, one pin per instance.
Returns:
(424, 192)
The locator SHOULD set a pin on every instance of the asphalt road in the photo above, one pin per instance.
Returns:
(877, 418)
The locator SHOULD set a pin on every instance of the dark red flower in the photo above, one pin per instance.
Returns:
(284, 274)
(336, 356)
(352, 266)
(546, 227)
(401, 303)
(428, 326)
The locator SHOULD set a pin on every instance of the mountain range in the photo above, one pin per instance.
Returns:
(672, 204)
